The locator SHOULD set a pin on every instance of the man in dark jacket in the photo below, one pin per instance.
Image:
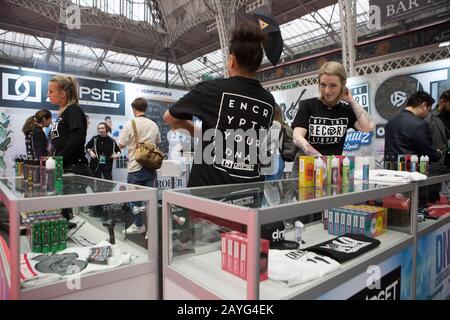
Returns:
(439, 121)
(408, 133)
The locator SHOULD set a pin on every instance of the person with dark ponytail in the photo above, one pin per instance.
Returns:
(35, 140)
(234, 111)
(68, 134)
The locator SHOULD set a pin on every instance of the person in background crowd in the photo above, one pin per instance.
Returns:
(276, 141)
(223, 106)
(321, 124)
(439, 121)
(103, 150)
(68, 134)
(108, 122)
(35, 140)
(88, 120)
(147, 131)
(407, 132)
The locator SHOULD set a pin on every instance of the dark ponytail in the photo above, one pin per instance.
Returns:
(246, 46)
(29, 125)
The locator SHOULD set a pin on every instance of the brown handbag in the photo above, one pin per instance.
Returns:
(147, 154)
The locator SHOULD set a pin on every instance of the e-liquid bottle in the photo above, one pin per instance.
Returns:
(299, 232)
(345, 171)
(319, 172)
(365, 170)
(334, 171)
(414, 160)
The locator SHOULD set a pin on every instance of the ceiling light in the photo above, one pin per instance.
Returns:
(38, 56)
(444, 44)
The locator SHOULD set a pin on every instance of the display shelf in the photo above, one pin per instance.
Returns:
(429, 225)
(205, 270)
(257, 204)
(138, 279)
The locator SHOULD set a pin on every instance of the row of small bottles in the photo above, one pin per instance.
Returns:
(44, 172)
(329, 170)
(411, 163)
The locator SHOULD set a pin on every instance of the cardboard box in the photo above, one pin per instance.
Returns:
(306, 171)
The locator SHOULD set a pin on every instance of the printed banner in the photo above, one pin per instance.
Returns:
(28, 89)
(433, 265)
(389, 280)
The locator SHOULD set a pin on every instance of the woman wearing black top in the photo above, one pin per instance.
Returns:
(68, 135)
(35, 139)
(321, 123)
(103, 150)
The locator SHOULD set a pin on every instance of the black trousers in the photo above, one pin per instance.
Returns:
(100, 170)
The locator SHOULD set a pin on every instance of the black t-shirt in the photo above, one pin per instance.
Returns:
(225, 104)
(36, 143)
(345, 247)
(68, 135)
(326, 128)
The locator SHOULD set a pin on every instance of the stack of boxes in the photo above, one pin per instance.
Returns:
(234, 255)
(46, 231)
(356, 219)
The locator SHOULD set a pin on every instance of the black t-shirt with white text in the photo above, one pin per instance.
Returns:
(326, 128)
(221, 105)
(68, 135)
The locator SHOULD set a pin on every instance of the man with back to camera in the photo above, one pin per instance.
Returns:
(439, 121)
(147, 131)
(407, 132)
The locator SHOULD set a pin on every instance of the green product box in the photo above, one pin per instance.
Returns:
(55, 234)
(36, 237)
(59, 168)
(46, 236)
(62, 234)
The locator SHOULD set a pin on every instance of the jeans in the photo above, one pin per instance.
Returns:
(279, 174)
(143, 177)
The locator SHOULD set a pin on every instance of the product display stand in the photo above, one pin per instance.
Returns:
(136, 280)
(199, 276)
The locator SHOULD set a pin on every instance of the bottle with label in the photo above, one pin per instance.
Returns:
(414, 160)
(319, 172)
(50, 172)
(422, 165)
(365, 170)
(299, 232)
(345, 171)
(334, 171)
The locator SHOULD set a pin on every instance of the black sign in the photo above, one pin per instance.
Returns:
(392, 95)
(380, 131)
(28, 89)
(389, 288)
(393, 10)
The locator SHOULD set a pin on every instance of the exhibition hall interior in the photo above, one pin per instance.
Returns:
(224, 150)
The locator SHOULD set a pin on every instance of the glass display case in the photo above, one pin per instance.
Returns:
(198, 224)
(433, 241)
(90, 257)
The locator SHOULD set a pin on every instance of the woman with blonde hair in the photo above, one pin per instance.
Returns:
(321, 123)
(35, 139)
(68, 133)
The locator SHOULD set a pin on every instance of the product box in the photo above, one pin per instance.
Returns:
(325, 219)
(352, 169)
(337, 220)
(306, 171)
(224, 251)
(349, 222)
(372, 219)
(234, 255)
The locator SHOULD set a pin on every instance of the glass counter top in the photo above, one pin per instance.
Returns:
(274, 193)
(70, 185)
